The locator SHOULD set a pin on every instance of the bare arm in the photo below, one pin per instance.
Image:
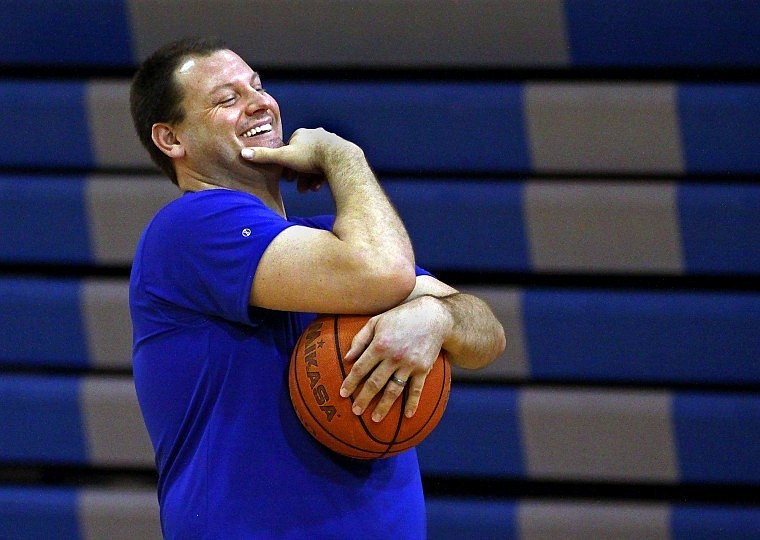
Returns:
(405, 342)
(474, 337)
(365, 265)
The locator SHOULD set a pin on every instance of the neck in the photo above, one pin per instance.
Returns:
(267, 190)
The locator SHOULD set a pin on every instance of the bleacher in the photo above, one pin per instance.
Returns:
(590, 168)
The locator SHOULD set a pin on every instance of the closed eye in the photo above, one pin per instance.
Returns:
(228, 101)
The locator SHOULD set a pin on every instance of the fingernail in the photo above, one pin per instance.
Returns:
(343, 392)
(357, 410)
(376, 417)
(247, 153)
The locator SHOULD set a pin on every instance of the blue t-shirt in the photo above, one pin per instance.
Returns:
(211, 377)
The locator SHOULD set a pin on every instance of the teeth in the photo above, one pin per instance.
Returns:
(255, 131)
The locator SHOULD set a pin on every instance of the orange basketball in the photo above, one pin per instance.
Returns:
(317, 370)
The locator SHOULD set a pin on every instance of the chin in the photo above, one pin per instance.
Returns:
(275, 142)
(271, 140)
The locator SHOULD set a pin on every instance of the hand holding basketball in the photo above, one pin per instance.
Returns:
(317, 369)
(394, 348)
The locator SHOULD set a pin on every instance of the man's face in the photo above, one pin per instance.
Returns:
(226, 109)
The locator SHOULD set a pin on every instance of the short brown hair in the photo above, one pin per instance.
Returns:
(155, 96)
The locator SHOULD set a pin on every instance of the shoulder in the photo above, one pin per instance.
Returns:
(209, 209)
(190, 203)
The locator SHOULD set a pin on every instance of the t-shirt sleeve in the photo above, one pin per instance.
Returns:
(199, 255)
(202, 252)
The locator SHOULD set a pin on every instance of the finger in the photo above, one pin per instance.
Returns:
(262, 154)
(373, 385)
(361, 340)
(365, 360)
(392, 392)
(415, 384)
(358, 372)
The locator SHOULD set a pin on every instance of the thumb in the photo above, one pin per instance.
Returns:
(361, 341)
(261, 154)
(288, 156)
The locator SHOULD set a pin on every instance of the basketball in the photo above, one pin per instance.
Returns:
(316, 372)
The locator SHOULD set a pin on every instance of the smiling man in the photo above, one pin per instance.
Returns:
(223, 283)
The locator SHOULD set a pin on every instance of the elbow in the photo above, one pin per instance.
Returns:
(389, 284)
(501, 342)
(405, 277)
(398, 281)
(498, 345)
(480, 356)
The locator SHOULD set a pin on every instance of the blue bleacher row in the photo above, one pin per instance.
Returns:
(39, 513)
(434, 127)
(290, 33)
(564, 334)
(500, 432)
(654, 227)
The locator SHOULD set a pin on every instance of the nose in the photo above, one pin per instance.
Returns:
(257, 101)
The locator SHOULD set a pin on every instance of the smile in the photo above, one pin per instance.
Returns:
(265, 128)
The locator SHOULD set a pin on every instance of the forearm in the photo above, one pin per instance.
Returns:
(474, 337)
(364, 215)
(404, 342)
(369, 255)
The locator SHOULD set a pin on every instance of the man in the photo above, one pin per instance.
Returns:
(224, 282)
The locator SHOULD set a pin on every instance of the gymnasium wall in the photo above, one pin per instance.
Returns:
(590, 168)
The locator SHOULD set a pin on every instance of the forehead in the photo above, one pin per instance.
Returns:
(201, 75)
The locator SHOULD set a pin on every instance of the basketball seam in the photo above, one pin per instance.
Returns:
(372, 437)
(320, 431)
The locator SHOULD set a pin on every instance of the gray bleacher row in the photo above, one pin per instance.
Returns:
(408, 34)
(579, 128)
(538, 433)
(556, 334)
(88, 512)
(389, 33)
(623, 227)
(132, 513)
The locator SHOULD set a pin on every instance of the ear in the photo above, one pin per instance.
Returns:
(166, 140)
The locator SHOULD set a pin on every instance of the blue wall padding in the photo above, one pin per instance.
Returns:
(718, 437)
(655, 337)
(719, 127)
(719, 228)
(41, 323)
(43, 219)
(65, 32)
(480, 222)
(662, 33)
(457, 519)
(415, 126)
(34, 513)
(711, 522)
(478, 435)
(41, 420)
(45, 124)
